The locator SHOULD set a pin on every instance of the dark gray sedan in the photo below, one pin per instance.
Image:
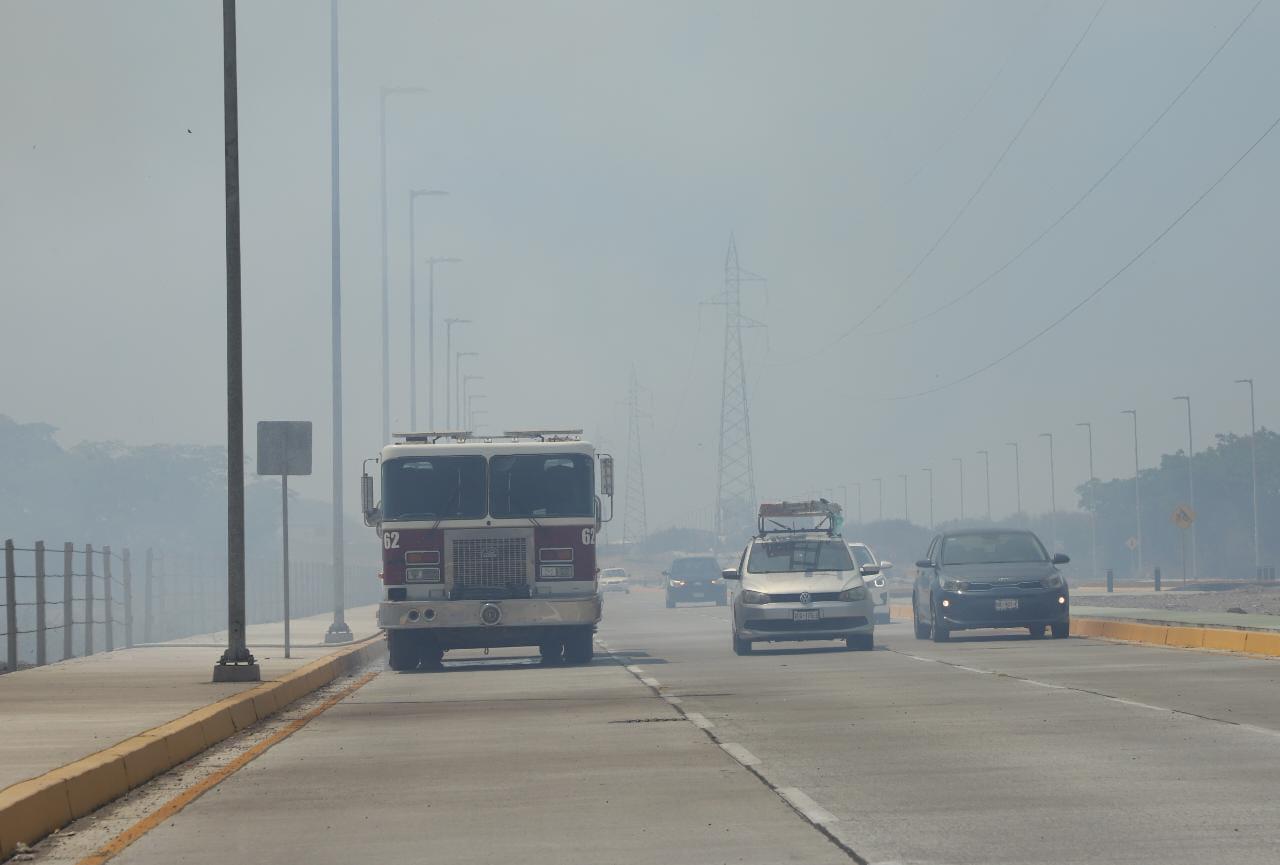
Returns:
(992, 578)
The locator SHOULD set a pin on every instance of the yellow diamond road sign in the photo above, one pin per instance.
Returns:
(1183, 516)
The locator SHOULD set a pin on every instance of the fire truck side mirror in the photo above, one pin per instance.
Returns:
(371, 515)
(606, 475)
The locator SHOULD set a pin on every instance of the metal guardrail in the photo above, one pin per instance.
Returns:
(94, 603)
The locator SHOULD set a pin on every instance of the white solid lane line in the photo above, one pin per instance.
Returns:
(812, 811)
(741, 754)
(699, 720)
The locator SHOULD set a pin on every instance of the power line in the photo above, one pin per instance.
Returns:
(978, 191)
(1112, 278)
(1088, 192)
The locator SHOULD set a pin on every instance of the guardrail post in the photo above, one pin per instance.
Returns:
(148, 579)
(10, 609)
(1111, 580)
(127, 576)
(68, 647)
(1157, 573)
(108, 615)
(88, 600)
(42, 656)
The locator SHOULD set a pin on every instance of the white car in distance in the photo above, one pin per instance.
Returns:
(615, 580)
(878, 585)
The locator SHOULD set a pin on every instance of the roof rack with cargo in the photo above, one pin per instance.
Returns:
(828, 516)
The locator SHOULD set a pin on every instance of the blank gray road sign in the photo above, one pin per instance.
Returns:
(284, 447)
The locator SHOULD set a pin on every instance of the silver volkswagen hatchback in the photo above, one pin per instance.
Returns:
(797, 586)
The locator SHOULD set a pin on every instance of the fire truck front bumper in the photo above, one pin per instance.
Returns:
(499, 613)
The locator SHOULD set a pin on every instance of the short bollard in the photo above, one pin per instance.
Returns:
(1111, 580)
(1157, 573)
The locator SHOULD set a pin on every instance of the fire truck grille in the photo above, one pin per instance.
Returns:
(490, 563)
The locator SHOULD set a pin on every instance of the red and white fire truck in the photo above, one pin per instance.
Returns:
(488, 541)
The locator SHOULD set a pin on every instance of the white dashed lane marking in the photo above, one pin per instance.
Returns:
(741, 754)
(699, 720)
(812, 811)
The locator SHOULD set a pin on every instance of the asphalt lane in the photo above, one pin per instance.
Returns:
(988, 749)
(991, 748)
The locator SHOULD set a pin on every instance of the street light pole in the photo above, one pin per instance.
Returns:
(466, 388)
(1053, 495)
(986, 456)
(457, 383)
(1093, 500)
(880, 487)
(471, 411)
(339, 631)
(930, 471)
(906, 511)
(448, 371)
(431, 335)
(960, 460)
(237, 663)
(385, 92)
(1137, 486)
(858, 485)
(1253, 459)
(1191, 486)
(414, 195)
(1017, 475)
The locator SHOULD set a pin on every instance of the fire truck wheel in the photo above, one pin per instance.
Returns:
(551, 652)
(578, 647)
(403, 649)
(432, 656)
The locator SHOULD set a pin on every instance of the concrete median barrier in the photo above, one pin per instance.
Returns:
(32, 809)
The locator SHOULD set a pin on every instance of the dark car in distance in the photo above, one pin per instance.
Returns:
(989, 578)
(695, 578)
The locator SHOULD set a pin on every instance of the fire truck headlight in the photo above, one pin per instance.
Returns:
(422, 575)
(555, 572)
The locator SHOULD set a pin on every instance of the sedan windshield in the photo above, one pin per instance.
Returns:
(992, 548)
(862, 554)
(695, 569)
(433, 488)
(789, 556)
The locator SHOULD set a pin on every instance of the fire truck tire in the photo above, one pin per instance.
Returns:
(579, 647)
(431, 656)
(551, 652)
(403, 650)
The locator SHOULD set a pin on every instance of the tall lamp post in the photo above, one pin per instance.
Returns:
(466, 389)
(880, 487)
(384, 94)
(472, 411)
(858, 486)
(1017, 475)
(431, 335)
(1137, 486)
(457, 380)
(986, 457)
(1093, 500)
(448, 372)
(906, 511)
(1253, 459)
(1053, 495)
(929, 471)
(1191, 485)
(960, 462)
(414, 195)
(237, 663)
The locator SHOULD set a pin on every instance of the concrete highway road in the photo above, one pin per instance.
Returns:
(989, 749)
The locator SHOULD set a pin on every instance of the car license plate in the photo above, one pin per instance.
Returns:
(806, 615)
(1006, 603)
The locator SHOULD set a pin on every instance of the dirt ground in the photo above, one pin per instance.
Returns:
(1256, 600)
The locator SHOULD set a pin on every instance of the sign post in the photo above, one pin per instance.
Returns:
(1184, 517)
(284, 448)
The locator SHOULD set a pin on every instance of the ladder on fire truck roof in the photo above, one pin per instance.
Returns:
(829, 516)
(545, 435)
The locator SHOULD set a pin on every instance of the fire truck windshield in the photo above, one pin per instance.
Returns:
(538, 485)
(433, 488)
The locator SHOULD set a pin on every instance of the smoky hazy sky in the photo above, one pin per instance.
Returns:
(598, 156)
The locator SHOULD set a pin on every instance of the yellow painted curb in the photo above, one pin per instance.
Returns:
(30, 810)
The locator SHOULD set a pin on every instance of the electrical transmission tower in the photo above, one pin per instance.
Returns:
(634, 527)
(736, 485)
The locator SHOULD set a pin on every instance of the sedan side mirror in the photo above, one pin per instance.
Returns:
(869, 570)
(730, 574)
(886, 566)
(924, 563)
(1061, 558)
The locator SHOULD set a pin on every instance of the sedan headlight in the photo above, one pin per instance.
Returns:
(949, 585)
(1053, 581)
(677, 584)
(750, 597)
(857, 593)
